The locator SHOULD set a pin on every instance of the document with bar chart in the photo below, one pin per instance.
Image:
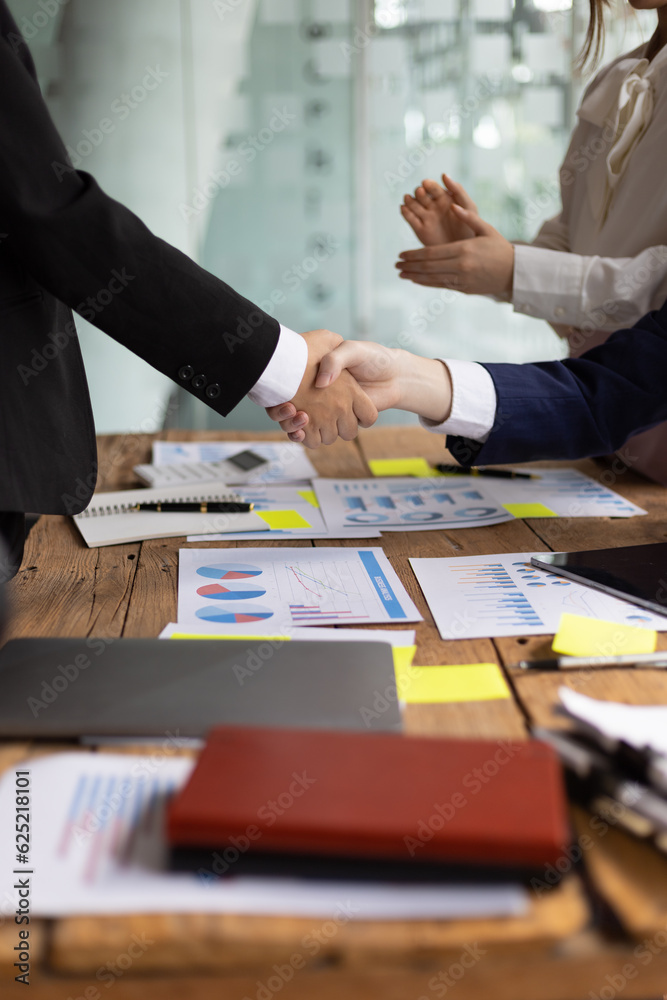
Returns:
(327, 586)
(475, 597)
(407, 504)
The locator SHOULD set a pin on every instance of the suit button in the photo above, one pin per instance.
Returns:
(186, 372)
(198, 382)
(213, 390)
(559, 311)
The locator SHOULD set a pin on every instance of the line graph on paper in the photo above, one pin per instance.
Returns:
(326, 593)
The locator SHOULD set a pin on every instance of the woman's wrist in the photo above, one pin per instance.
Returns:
(425, 386)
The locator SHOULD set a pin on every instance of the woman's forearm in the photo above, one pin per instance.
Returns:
(425, 386)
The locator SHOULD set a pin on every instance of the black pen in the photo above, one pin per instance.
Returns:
(205, 507)
(472, 470)
(582, 662)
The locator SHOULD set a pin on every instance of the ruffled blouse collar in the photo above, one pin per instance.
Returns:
(622, 106)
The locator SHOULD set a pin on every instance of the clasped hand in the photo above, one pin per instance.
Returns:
(389, 377)
(333, 411)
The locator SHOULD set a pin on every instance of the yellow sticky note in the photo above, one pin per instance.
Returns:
(580, 636)
(529, 510)
(401, 467)
(257, 635)
(310, 496)
(466, 682)
(282, 519)
(403, 657)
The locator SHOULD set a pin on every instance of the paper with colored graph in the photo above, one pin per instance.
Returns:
(560, 493)
(291, 587)
(580, 636)
(98, 847)
(556, 493)
(407, 503)
(474, 597)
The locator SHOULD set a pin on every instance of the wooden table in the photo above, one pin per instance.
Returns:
(583, 937)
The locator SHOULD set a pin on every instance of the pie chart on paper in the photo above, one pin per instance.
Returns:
(236, 592)
(229, 571)
(239, 615)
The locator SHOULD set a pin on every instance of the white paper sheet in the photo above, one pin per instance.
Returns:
(288, 462)
(474, 597)
(406, 503)
(398, 638)
(279, 498)
(322, 586)
(640, 726)
(97, 846)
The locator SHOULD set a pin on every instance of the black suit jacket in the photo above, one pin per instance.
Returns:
(65, 245)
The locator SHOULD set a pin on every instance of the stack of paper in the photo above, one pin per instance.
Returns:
(98, 846)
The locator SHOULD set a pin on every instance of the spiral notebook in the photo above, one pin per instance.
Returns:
(109, 521)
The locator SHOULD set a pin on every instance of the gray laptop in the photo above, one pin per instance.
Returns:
(69, 688)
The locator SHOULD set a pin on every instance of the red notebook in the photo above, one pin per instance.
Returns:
(279, 793)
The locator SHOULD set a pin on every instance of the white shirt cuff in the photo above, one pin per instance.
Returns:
(474, 402)
(283, 375)
(548, 284)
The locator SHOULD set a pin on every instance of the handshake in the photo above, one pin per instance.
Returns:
(348, 382)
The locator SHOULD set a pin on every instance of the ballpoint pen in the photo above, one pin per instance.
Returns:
(472, 470)
(203, 507)
(658, 659)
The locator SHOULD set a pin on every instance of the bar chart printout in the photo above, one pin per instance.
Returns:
(504, 595)
(407, 504)
(292, 587)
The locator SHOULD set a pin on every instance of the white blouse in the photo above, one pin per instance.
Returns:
(602, 262)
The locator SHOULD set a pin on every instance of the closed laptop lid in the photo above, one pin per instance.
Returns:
(145, 687)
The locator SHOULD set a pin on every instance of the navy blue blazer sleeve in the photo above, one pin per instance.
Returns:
(579, 407)
(97, 257)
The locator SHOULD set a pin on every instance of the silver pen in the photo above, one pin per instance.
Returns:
(658, 659)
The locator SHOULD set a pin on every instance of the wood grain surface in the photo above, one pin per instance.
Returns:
(579, 935)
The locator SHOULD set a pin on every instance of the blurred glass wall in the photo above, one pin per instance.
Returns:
(281, 140)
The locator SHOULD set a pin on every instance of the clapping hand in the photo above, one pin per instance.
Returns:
(430, 214)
